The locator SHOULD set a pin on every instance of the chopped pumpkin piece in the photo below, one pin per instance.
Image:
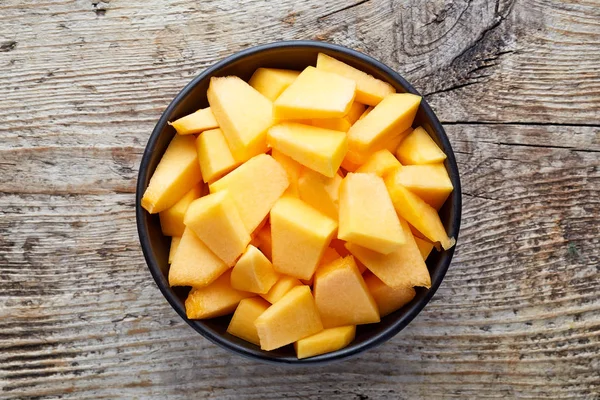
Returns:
(194, 264)
(254, 186)
(197, 122)
(388, 299)
(335, 124)
(214, 155)
(242, 322)
(271, 82)
(380, 163)
(243, 114)
(367, 216)
(173, 248)
(214, 300)
(280, 288)
(424, 246)
(395, 114)
(319, 149)
(320, 192)
(292, 318)
(217, 222)
(171, 219)
(264, 235)
(419, 148)
(403, 267)
(418, 213)
(253, 272)
(315, 94)
(356, 110)
(176, 174)
(369, 90)
(293, 169)
(342, 296)
(326, 341)
(300, 235)
(430, 182)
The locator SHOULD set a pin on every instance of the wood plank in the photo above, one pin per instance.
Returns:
(517, 314)
(516, 61)
(516, 83)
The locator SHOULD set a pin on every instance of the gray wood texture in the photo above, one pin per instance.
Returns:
(516, 84)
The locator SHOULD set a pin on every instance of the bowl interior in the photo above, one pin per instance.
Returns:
(291, 55)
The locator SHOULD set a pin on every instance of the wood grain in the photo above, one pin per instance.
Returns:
(517, 86)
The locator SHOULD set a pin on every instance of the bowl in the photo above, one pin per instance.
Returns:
(291, 55)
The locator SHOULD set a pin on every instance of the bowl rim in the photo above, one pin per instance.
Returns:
(222, 341)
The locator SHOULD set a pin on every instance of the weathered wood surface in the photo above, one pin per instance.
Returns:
(517, 84)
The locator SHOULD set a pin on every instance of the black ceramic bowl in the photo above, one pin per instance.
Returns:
(291, 55)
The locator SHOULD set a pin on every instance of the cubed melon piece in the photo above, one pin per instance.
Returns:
(280, 288)
(320, 192)
(214, 300)
(315, 94)
(342, 296)
(196, 122)
(271, 82)
(300, 235)
(369, 90)
(329, 256)
(264, 236)
(380, 163)
(395, 114)
(216, 221)
(388, 299)
(367, 216)
(194, 264)
(176, 174)
(292, 168)
(424, 246)
(173, 248)
(335, 124)
(253, 272)
(356, 110)
(326, 341)
(214, 155)
(254, 186)
(292, 318)
(418, 213)
(319, 149)
(243, 114)
(403, 267)
(171, 219)
(242, 322)
(419, 148)
(430, 182)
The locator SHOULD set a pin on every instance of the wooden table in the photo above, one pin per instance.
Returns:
(517, 86)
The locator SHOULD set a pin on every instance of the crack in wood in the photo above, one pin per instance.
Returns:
(7, 46)
(451, 88)
(517, 123)
(479, 196)
(547, 146)
(322, 17)
(499, 18)
(99, 7)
